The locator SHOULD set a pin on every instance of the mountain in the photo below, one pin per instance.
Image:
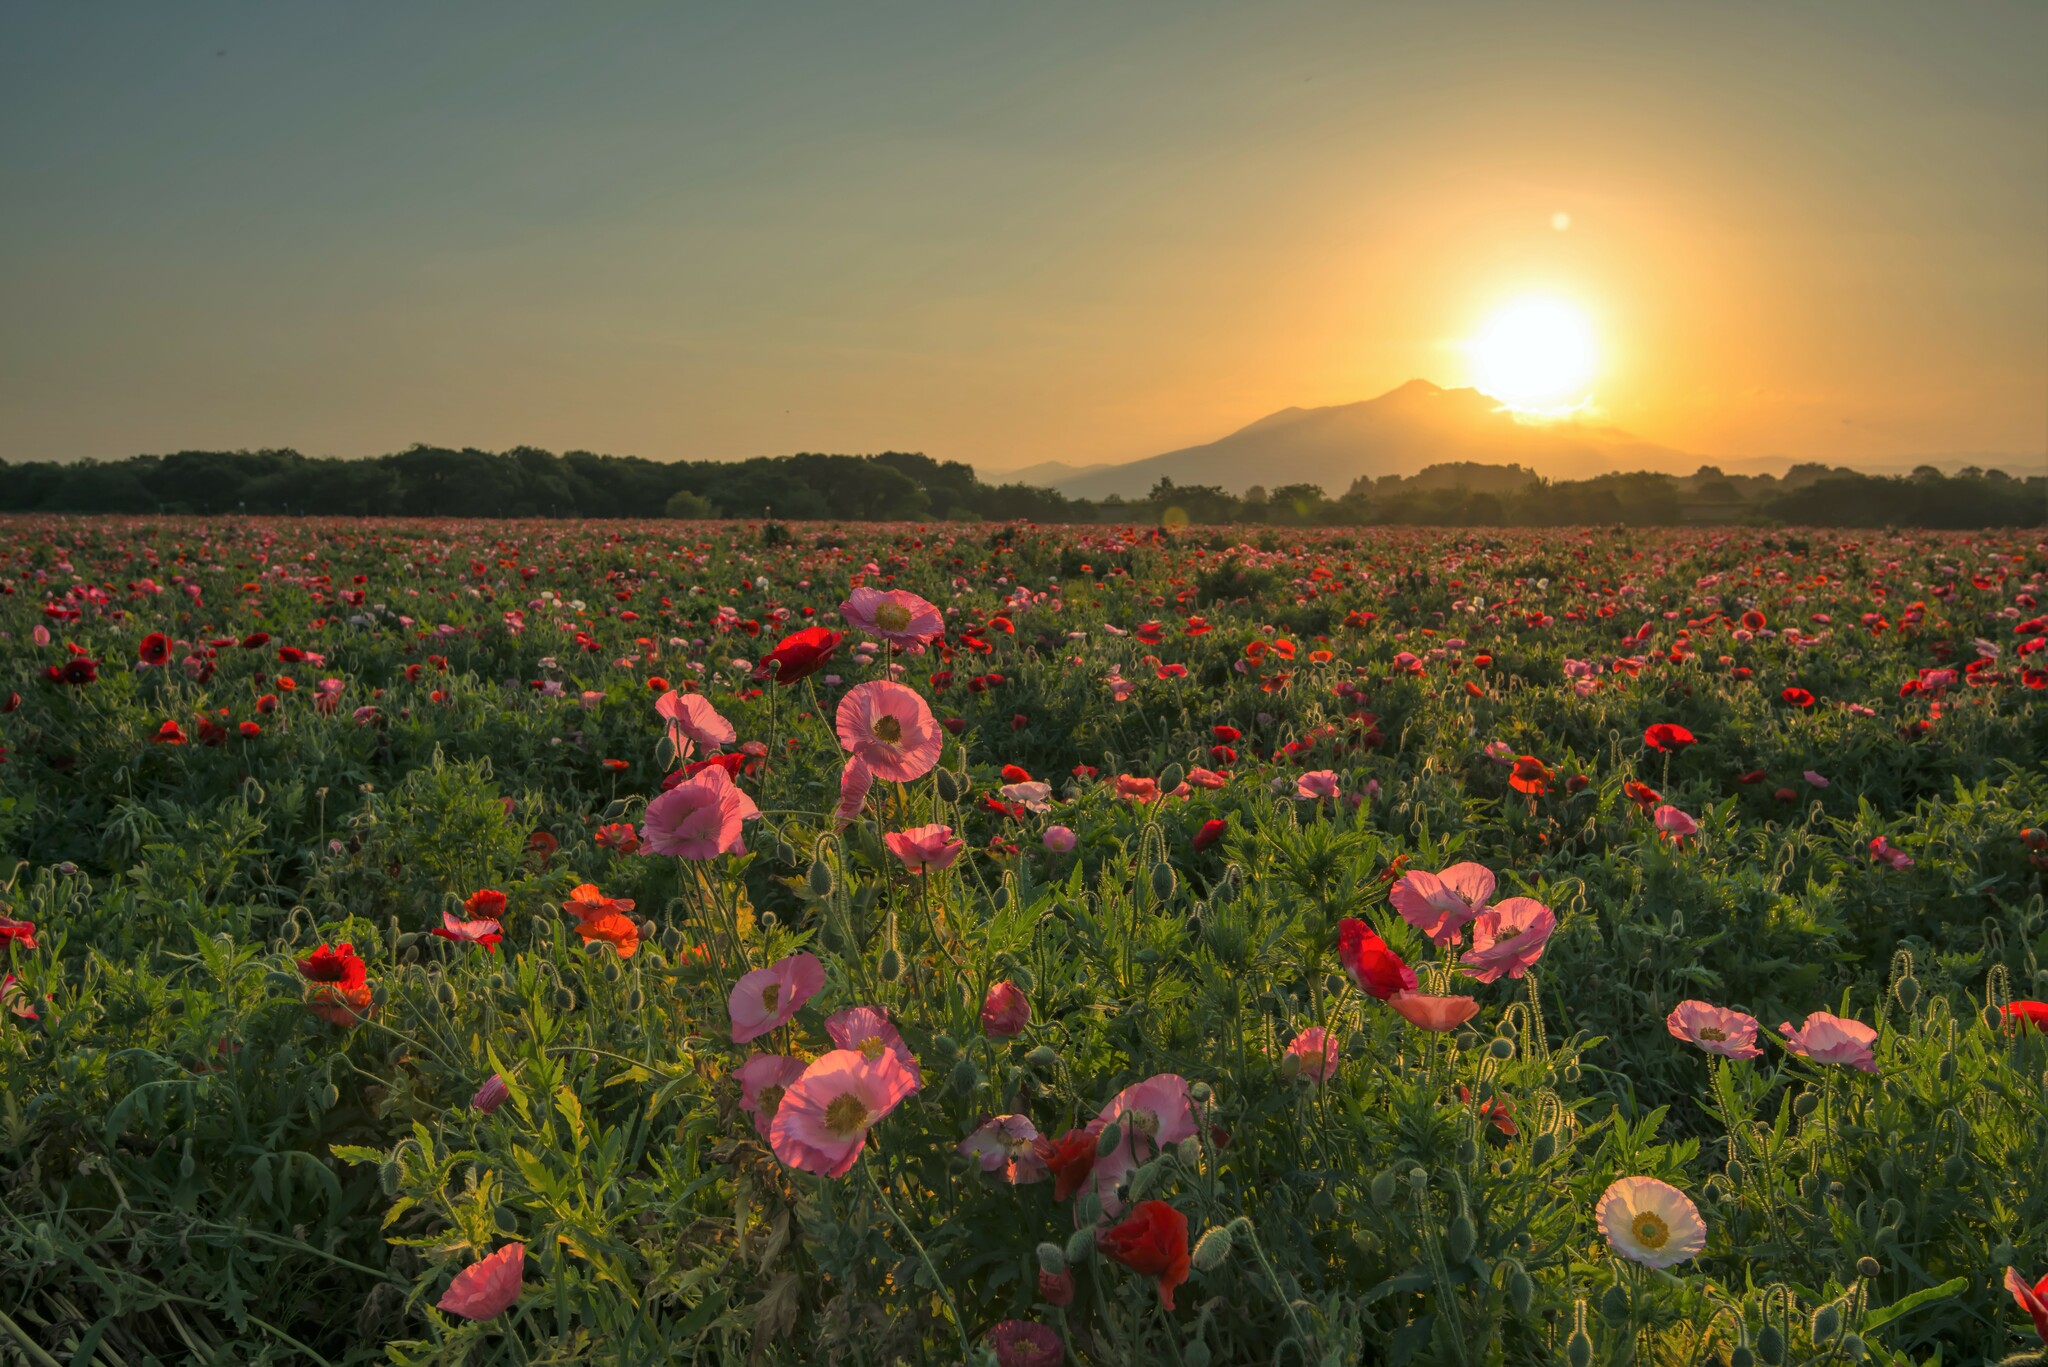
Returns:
(1398, 433)
(1047, 474)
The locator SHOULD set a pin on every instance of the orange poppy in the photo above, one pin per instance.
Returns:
(614, 929)
(1531, 775)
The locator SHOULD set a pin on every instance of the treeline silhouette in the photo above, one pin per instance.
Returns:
(904, 486)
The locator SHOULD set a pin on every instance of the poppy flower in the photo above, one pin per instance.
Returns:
(1007, 1144)
(338, 989)
(619, 837)
(1668, 737)
(1715, 1029)
(1131, 788)
(1440, 904)
(1070, 1159)
(1508, 938)
(154, 650)
(1212, 832)
(14, 933)
(867, 1029)
(75, 672)
(798, 656)
(2034, 1015)
(1831, 1039)
(1642, 794)
(1798, 697)
(493, 1094)
(763, 1079)
(900, 617)
(925, 848)
(1650, 1222)
(485, 1289)
(1153, 1242)
(17, 1002)
(1151, 1115)
(1494, 1111)
(1376, 969)
(822, 1122)
(1674, 824)
(699, 818)
(1316, 786)
(767, 998)
(1440, 1014)
(1016, 773)
(692, 719)
(2032, 1299)
(1318, 1051)
(478, 932)
(1005, 1010)
(1059, 839)
(890, 729)
(1026, 1343)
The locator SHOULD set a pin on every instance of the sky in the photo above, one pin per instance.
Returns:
(1010, 233)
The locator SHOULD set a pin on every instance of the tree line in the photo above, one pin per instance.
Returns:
(905, 486)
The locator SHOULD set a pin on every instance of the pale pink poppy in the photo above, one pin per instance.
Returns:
(1884, 852)
(485, 1288)
(1206, 778)
(1131, 788)
(1316, 785)
(898, 616)
(1650, 1222)
(1120, 688)
(867, 1029)
(766, 998)
(1675, 825)
(923, 848)
(699, 818)
(1033, 796)
(1006, 1144)
(1440, 904)
(889, 728)
(856, 780)
(1508, 937)
(1814, 779)
(1060, 839)
(1318, 1051)
(17, 1001)
(692, 718)
(822, 1122)
(1433, 1013)
(763, 1079)
(1831, 1039)
(1715, 1029)
(482, 931)
(1151, 1115)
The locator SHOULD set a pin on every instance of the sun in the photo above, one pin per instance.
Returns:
(1536, 355)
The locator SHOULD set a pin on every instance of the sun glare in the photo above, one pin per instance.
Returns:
(1535, 355)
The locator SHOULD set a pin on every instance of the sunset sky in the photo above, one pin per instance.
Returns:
(1014, 233)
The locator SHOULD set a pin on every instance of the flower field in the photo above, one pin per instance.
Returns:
(527, 942)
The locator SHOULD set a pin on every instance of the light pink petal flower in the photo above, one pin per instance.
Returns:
(485, 1288)
(923, 848)
(1674, 823)
(1508, 938)
(1318, 1051)
(1715, 1029)
(1433, 1013)
(898, 616)
(868, 1030)
(823, 1120)
(889, 728)
(691, 717)
(855, 782)
(1831, 1039)
(1650, 1222)
(1060, 839)
(1004, 1144)
(766, 998)
(763, 1079)
(1440, 904)
(1151, 1115)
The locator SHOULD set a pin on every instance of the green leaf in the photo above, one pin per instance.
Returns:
(1925, 1296)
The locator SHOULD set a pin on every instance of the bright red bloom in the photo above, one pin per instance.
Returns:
(1667, 736)
(1152, 1242)
(169, 734)
(1798, 697)
(76, 671)
(1070, 1158)
(2031, 1014)
(1642, 794)
(1016, 773)
(335, 964)
(1531, 775)
(799, 655)
(1226, 735)
(1753, 620)
(1377, 970)
(14, 932)
(155, 649)
(485, 904)
(250, 730)
(339, 984)
(1212, 831)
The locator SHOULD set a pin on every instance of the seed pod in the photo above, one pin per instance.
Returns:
(1196, 1354)
(1521, 1291)
(1578, 1349)
(1770, 1344)
(1043, 1056)
(1211, 1249)
(1417, 1178)
(1106, 1142)
(1164, 882)
(1543, 1147)
(965, 1077)
(1461, 1238)
(820, 879)
(1200, 1093)
(1080, 1245)
(1189, 1151)
(1502, 1048)
(951, 784)
(891, 966)
(1827, 1322)
(1614, 1304)
(1468, 1152)
(1383, 1188)
(1867, 1266)
(565, 999)
(1052, 1258)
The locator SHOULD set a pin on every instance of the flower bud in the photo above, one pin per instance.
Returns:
(1502, 1048)
(1827, 1322)
(1044, 1056)
(1468, 1151)
(1417, 1178)
(1770, 1344)
(1211, 1249)
(820, 879)
(1614, 1304)
(1290, 1067)
(1805, 1104)
(1164, 882)
(1005, 1011)
(1087, 1210)
(892, 965)
(965, 1077)
(1543, 1147)
(951, 784)
(1461, 1238)
(491, 1095)
(1521, 1291)
(1081, 1243)
(1867, 1266)
(1578, 1349)
(1056, 1288)
(1199, 1093)
(1052, 1258)
(1383, 1188)
(1907, 990)
(1741, 1356)
(1196, 1354)
(1189, 1151)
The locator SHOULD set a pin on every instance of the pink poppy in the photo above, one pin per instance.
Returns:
(1440, 904)
(763, 1079)
(1318, 1051)
(1206, 778)
(493, 1094)
(856, 780)
(1008, 1144)
(890, 729)
(1715, 1029)
(1830, 1039)
(1131, 788)
(822, 1122)
(1059, 839)
(898, 616)
(1440, 1014)
(1884, 852)
(483, 931)
(1033, 796)
(1152, 1114)
(1675, 825)
(867, 1030)
(484, 1289)
(1026, 1343)
(1316, 785)
(766, 998)
(699, 818)
(1508, 937)
(1005, 1011)
(924, 848)
(16, 1001)
(691, 717)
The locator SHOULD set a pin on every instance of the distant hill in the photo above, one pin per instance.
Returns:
(1400, 433)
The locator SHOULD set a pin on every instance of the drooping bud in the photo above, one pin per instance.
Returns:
(1211, 1249)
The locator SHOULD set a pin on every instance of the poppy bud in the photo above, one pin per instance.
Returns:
(1907, 990)
(1417, 1178)
(1211, 1249)
(1827, 1322)
(943, 1045)
(892, 965)
(785, 853)
(1056, 1288)
(1770, 1344)
(1468, 1152)
(1052, 1258)
(1081, 1245)
(491, 1095)
(1200, 1093)
(1578, 1349)
(1196, 1354)
(1044, 1056)
(1805, 1104)
(1290, 1067)
(952, 786)
(636, 1000)
(1867, 1266)
(1502, 1048)
(1171, 777)
(1087, 1210)
(1544, 1146)
(1163, 881)
(1106, 1142)
(1741, 1356)
(1614, 1304)
(1854, 1346)
(388, 1175)
(565, 999)
(965, 1077)
(1461, 1238)
(1383, 1188)
(1521, 1291)
(821, 879)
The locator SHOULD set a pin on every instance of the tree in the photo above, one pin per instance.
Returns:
(688, 506)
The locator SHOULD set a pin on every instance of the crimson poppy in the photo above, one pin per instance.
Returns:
(799, 655)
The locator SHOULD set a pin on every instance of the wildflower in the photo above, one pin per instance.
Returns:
(1131, 788)
(763, 1079)
(2032, 1299)
(1715, 1029)
(822, 1122)
(1059, 839)
(1814, 780)
(1650, 1222)
(1797, 697)
(1440, 1014)
(1005, 1011)
(154, 650)
(169, 734)
(1642, 794)
(890, 729)
(692, 719)
(338, 984)
(1674, 824)
(766, 998)
(1508, 937)
(489, 904)
(1152, 1242)
(479, 932)
(1056, 1288)
(1830, 1039)
(1034, 797)
(1026, 1343)
(924, 848)
(1886, 853)
(493, 1094)
(1376, 969)
(484, 1289)
(1531, 775)
(798, 656)
(15, 1000)
(619, 837)
(896, 615)
(13, 932)
(1319, 784)
(867, 1030)
(1007, 1144)
(856, 781)
(699, 818)
(1070, 1159)
(1667, 737)
(2031, 1014)
(1212, 832)
(1318, 1051)
(1494, 1112)
(1440, 904)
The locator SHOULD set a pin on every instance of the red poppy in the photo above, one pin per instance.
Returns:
(1667, 736)
(619, 836)
(1152, 1242)
(485, 904)
(799, 655)
(1530, 775)
(250, 730)
(1642, 794)
(76, 671)
(1798, 697)
(1226, 735)
(615, 765)
(14, 932)
(1495, 1111)
(256, 640)
(1212, 831)
(154, 650)
(1016, 773)
(1070, 1159)
(1377, 970)
(169, 734)
(2031, 1014)
(1753, 619)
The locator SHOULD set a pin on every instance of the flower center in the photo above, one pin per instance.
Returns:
(892, 617)
(1650, 1230)
(1710, 1033)
(1144, 1122)
(770, 995)
(1507, 933)
(888, 729)
(871, 1048)
(848, 1114)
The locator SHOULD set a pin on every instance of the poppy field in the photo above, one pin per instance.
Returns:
(541, 942)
